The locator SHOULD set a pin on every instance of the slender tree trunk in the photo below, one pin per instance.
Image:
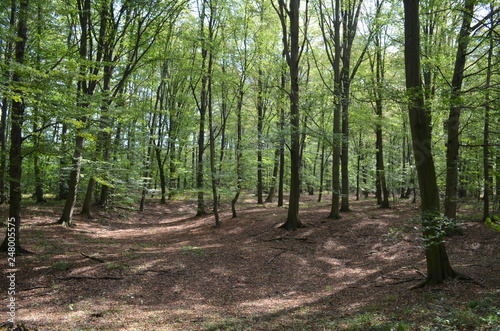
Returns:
(202, 107)
(276, 166)
(337, 133)
(321, 170)
(438, 265)
(488, 180)
(239, 153)
(147, 162)
(74, 178)
(3, 150)
(200, 161)
(293, 57)
(85, 91)
(281, 179)
(260, 125)
(161, 172)
(381, 186)
(213, 169)
(88, 201)
(5, 110)
(63, 164)
(172, 170)
(36, 160)
(16, 138)
(453, 123)
(344, 205)
(358, 166)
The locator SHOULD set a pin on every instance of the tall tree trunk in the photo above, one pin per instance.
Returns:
(85, 91)
(213, 169)
(16, 138)
(200, 160)
(172, 170)
(5, 110)
(239, 153)
(36, 115)
(292, 52)
(344, 162)
(438, 264)
(260, 125)
(358, 165)
(488, 179)
(3, 150)
(62, 193)
(147, 162)
(337, 133)
(202, 108)
(381, 186)
(453, 123)
(281, 179)
(322, 161)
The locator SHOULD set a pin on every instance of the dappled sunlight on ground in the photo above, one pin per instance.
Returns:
(164, 269)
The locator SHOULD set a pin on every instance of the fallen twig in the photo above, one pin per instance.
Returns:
(89, 277)
(265, 230)
(307, 240)
(92, 258)
(271, 260)
(32, 288)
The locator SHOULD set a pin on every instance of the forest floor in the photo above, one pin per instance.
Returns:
(164, 269)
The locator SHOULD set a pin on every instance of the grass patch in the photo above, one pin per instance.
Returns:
(62, 265)
(115, 266)
(192, 250)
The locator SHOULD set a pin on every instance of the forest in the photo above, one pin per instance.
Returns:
(215, 132)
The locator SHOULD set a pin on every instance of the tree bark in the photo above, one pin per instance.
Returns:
(87, 202)
(260, 126)
(438, 264)
(337, 132)
(292, 53)
(281, 179)
(239, 153)
(488, 179)
(5, 110)
(16, 138)
(85, 90)
(276, 166)
(453, 122)
(213, 169)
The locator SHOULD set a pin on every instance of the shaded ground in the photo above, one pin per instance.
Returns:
(163, 269)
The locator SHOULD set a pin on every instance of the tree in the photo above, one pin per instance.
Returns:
(85, 89)
(378, 70)
(438, 264)
(330, 24)
(290, 19)
(453, 122)
(488, 179)
(7, 54)
(350, 16)
(16, 135)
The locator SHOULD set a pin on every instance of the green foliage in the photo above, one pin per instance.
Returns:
(493, 223)
(434, 227)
